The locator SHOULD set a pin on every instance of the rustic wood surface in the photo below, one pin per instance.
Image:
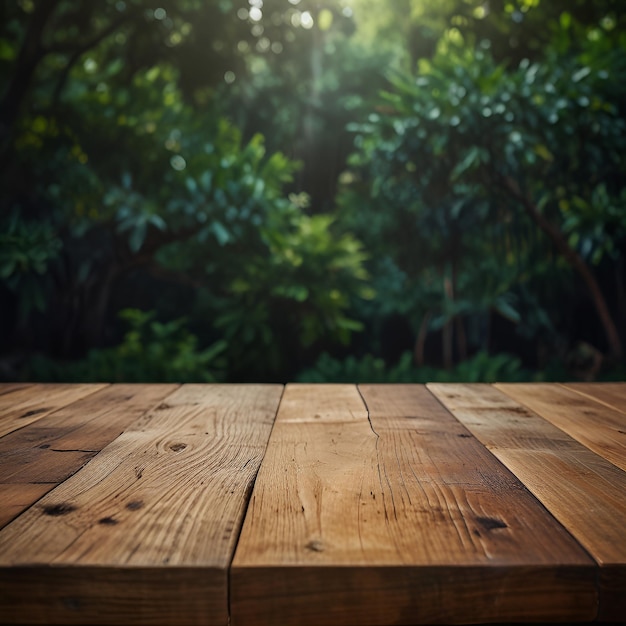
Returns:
(611, 394)
(597, 426)
(585, 492)
(170, 491)
(410, 493)
(9, 387)
(373, 504)
(26, 404)
(40, 456)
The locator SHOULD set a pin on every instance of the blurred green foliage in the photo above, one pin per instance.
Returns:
(26, 251)
(430, 185)
(452, 167)
(149, 351)
(482, 367)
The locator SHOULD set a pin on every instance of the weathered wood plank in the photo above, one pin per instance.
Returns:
(10, 387)
(17, 497)
(25, 405)
(402, 518)
(100, 595)
(611, 394)
(144, 533)
(599, 427)
(47, 451)
(582, 490)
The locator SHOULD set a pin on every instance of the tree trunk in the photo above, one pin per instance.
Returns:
(577, 263)
(31, 53)
(447, 330)
(420, 342)
(620, 289)
(461, 338)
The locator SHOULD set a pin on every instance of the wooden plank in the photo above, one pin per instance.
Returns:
(17, 497)
(10, 387)
(611, 394)
(582, 490)
(599, 427)
(47, 451)
(144, 534)
(26, 405)
(142, 596)
(404, 519)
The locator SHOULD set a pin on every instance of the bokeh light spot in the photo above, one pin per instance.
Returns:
(306, 20)
(178, 163)
(263, 44)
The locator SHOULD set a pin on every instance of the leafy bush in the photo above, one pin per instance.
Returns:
(26, 251)
(489, 179)
(483, 202)
(188, 202)
(369, 369)
(151, 351)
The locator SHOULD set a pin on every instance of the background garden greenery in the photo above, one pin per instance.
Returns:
(323, 190)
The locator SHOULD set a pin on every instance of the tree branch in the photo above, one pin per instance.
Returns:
(77, 52)
(575, 261)
(31, 53)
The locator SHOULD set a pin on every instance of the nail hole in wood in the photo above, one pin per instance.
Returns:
(491, 523)
(33, 412)
(315, 546)
(55, 510)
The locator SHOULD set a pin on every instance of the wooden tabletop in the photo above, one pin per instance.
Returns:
(312, 504)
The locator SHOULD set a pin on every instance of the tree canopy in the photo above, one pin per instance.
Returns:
(323, 189)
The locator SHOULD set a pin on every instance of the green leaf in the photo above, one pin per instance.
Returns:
(191, 184)
(206, 180)
(137, 236)
(221, 233)
(469, 162)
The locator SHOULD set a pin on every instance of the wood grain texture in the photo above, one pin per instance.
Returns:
(17, 497)
(10, 387)
(396, 517)
(611, 394)
(97, 595)
(581, 489)
(26, 404)
(597, 426)
(36, 458)
(145, 532)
